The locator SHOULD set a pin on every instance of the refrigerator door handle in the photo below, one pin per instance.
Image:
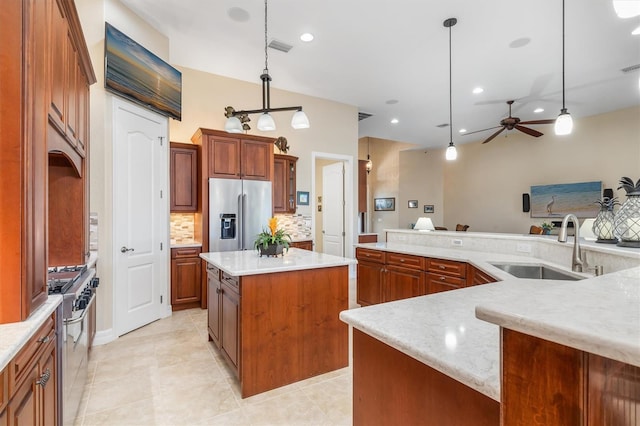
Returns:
(241, 221)
(244, 219)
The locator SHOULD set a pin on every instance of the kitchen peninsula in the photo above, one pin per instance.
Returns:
(275, 319)
(570, 350)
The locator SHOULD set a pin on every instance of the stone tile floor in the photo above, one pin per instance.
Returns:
(167, 373)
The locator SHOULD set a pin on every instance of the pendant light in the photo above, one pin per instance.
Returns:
(451, 153)
(564, 122)
(369, 165)
(266, 122)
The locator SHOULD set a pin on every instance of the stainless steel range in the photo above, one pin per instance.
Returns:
(77, 284)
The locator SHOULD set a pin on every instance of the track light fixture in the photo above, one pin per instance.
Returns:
(237, 120)
(451, 153)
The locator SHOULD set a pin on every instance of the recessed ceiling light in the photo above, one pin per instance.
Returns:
(391, 102)
(478, 90)
(306, 37)
(538, 110)
(238, 14)
(462, 131)
(520, 42)
(394, 121)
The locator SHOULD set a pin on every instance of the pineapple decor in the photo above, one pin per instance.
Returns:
(603, 225)
(627, 222)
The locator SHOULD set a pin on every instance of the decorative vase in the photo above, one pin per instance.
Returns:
(603, 226)
(271, 250)
(546, 231)
(627, 222)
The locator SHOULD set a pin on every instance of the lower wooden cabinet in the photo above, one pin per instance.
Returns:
(214, 300)
(305, 245)
(223, 317)
(28, 394)
(186, 270)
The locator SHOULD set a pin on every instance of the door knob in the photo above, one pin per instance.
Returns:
(123, 249)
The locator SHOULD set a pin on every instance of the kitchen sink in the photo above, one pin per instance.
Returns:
(540, 272)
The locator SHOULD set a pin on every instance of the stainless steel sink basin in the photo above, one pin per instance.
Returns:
(540, 272)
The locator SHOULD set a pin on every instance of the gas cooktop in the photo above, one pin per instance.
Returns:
(61, 278)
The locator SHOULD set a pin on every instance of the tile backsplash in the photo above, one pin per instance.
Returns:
(296, 225)
(182, 226)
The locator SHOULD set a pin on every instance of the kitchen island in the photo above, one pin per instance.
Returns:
(430, 360)
(275, 319)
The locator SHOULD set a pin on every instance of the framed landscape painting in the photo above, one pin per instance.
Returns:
(133, 72)
(556, 201)
(384, 204)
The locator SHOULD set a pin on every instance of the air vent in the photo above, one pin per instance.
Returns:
(443, 125)
(278, 45)
(631, 68)
(363, 115)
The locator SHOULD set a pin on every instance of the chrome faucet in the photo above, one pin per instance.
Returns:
(576, 263)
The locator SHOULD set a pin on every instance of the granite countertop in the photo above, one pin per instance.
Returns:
(14, 335)
(442, 330)
(249, 262)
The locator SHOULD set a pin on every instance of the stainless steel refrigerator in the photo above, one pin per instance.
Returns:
(238, 211)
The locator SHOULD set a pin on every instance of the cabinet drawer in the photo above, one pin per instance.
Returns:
(478, 277)
(437, 283)
(370, 255)
(4, 389)
(447, 267)
(29, 354)
(406, 261)
(213, 271)
(231, 281)
(177, 253)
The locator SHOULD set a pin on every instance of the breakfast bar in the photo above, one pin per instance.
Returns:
(275, 319)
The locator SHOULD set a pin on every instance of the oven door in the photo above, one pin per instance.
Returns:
(76, 362)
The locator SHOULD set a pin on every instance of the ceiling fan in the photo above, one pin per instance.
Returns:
(511, 123)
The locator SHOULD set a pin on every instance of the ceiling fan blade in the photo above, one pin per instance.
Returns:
(549, 121)
(494, 135)
(528, 131)
(478, 131)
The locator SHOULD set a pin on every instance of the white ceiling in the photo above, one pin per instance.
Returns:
(367, 52)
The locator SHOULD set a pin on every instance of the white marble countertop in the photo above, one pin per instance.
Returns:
(442, 330)
(249, 262)
(185, 244)
(13, 336)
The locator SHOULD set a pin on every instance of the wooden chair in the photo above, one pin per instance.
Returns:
(460, 227)
(536, 230)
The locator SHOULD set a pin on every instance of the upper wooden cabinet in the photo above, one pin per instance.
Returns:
(362, 185)
(284, 183)
(29, 100)
(184, 164)
(236, 157)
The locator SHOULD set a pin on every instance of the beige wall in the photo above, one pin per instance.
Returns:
(421, 179)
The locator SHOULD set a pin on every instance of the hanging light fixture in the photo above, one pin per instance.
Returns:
(626, 8)
(564, 122)
(234, 123)
(369, 165)
(451, 153)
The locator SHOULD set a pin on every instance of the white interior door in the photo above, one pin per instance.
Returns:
(140, 215)
(333, 209)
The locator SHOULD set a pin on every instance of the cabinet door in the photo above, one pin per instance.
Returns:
(280, 190)
(48, 388)
(369, 283)
(185, 282)
(71, 94)
(229, 340)
(214, 298)
(58, 67)
(256, 160)
(438, 283)
(362, 185)
(402, 283)
(184, 178)
(23, 408)
(82, 96)
(224, 157)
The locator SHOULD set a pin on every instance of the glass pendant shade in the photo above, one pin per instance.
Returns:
(564, 123)
(451, 153)
(266, 123)
(369, 166)
(233, 125)
(300, 120)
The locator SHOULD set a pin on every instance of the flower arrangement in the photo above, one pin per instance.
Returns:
(547, 226)
(272, 236)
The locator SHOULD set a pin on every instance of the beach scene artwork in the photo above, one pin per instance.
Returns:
(556, 201)
(137, 74)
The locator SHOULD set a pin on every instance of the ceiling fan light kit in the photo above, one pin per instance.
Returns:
(564, 122)
(266, 123)
(451, 153)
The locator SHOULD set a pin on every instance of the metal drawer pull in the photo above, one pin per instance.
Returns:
(218, 291)
(401, 260)
(44, 339)
(44, 378)
(442, 278)
(442, 267)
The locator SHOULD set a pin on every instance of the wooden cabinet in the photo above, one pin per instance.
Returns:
(184, 163)
(185, 278)
(231, 157)
(362, 185)
(30, 381)
(368, 238)
(386, 276)
(304, 245)
(284, 183)
(214, 294)
(230, 321)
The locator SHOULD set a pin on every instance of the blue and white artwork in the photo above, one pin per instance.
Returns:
(137, 74)
(556, 201)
